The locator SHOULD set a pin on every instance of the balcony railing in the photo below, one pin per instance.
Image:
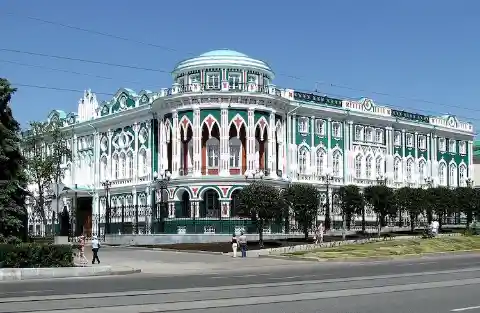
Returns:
(221, 87)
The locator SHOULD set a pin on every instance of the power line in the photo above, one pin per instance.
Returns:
(302, 90)
(280, 74)
(133, 67)
(64, 71)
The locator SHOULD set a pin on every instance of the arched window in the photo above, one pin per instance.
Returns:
(337, 163)
(397, 169)
(358, 166)
(368, 167)
(452, 175)
(462, 174)
(142, 162)
(116, 164)
(421, 171)
(442, 169)
(235, 152)
(213, 152)
(409, 170)
(378, 166)
(123, 165)
(103, 168)
(130, 164)
(320, 162)
(302, 160)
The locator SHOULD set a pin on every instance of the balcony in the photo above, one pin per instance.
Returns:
(222, 87)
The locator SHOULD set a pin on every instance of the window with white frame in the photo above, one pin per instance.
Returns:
(303, 125)
(235, 146)
(103, 168)
(303, 160)
(213, 81)
(368, 167)
(320, 161)
(358, 166)
(462, 174)
(378, 165)
(142, 162)
(442, 173)
(320, 126)
(116, 169)
(130, 164)
(336, 130)
(452, 179)
(409, 140)
(422, 142)
(421, 171)
(397, 140)
(235, 81)
(358, 133)
(368, 134)
(213, 154)
(337, 163)
(409, 170)
(252, 78)
(397, 169)
(451, 146)
(462, 147)
(379, 135)
(194, 78)
(442, 146)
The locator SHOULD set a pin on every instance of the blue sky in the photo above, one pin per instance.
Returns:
(407, 49)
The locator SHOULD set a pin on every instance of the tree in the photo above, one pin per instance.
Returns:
(13, 214)
(45, 168)
(382, 199)
(443, 201)
(351, 202)
(466, 202)
(263, 203)
(410, 200)
(304, 200)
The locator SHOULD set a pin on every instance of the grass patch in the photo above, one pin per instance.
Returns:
(393, 248)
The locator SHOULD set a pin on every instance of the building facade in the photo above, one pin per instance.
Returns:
(221, 124)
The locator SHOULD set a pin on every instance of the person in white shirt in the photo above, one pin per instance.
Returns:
(95, 248)
(242, 240)
(234, 245)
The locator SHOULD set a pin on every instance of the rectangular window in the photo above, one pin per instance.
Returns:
(398, 138)
(422, 142)
(379, 136)
(234, 80)
(409, 140)
(213, 155)
(213, 81)
(358, 133)
(462, 145)
(320, 127)
(194, 78)
(451, 146)
(303, 125)
(336, 130)
(234, 156)
(442, 144)
(368, 134)
(252, 78)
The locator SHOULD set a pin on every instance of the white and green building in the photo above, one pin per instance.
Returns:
(223, 119)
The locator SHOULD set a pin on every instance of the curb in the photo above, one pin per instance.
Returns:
(362, 259)
(22, 274)
(169, 250)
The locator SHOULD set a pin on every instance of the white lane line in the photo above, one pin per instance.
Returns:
(27, 291)
(466, 309)
(416, 263)
(239, 276)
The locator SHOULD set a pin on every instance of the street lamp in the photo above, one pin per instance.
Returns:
(469, 182)
(106, 185)
(328, 177)
(254, 174)
(160, 181)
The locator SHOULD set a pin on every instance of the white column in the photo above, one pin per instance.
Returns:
(224, 146)
(287, 139)
(197, 143)
(329, 143)
(404, 158)
(251, 140)
(109, 163)
(272, 145)
(434, 160)
(175, 145)
(136, 129)
(470, 161)
(96, 213)
(96, 159)
(293, 149)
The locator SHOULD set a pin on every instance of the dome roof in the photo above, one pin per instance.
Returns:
(223, 58)
(223, 52)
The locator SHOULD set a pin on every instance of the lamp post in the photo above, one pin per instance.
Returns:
(429, 182)
(328, 178)
(160, 182)
(106, 185)
(469, 182)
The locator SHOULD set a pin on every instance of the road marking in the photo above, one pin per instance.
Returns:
(419, 263)
(466, 309)
(240, 276)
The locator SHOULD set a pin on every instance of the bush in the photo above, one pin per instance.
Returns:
(29, 255)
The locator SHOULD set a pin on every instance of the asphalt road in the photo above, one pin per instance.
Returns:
(443, 291)
(248, 274)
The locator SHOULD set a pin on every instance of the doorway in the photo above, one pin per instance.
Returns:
(84, 212)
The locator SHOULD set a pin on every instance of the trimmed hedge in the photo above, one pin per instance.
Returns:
(28, 255)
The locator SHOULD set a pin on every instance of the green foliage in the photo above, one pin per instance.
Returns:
(382, 200)
(410, 200)
(28, 255)
(304, 200)
(45, 168)
(264, 203)
(13, 215)
(467, 202)
(351, 201)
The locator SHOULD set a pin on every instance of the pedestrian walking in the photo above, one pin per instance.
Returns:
(242, 240)
(234, 245)
(81, 242)
(95, 248)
